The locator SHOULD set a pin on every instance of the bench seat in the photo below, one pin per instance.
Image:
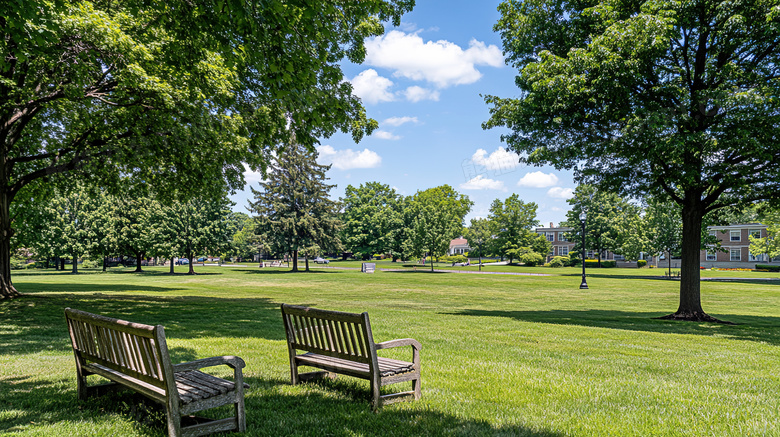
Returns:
(387, 366)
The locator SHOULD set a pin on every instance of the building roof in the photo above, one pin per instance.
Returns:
(459, 242)
(739, 226)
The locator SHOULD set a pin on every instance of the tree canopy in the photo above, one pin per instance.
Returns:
(644, 98)
(372, 218)
(175, 92)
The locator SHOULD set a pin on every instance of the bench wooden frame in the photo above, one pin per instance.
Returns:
(135, 356)
(342, 343)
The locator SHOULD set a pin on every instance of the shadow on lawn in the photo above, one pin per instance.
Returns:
(705, 280)
(273, 408)
(37, 322)
(751, 328)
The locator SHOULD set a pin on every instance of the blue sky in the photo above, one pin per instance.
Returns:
(422, 82)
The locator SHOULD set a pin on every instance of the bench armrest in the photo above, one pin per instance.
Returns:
(234, 362)
(400, 342)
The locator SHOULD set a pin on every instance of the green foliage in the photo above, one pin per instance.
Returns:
(293, 209)
(645, 98)
(453, 259)
(641, 263)
(560, 261)
(511, 223)
(611, 223)
(373, 219)
(479, 234)
(436, 217)
(769, 245)
(172, 94)
(531, 259)
(768, 267)
(591, 264)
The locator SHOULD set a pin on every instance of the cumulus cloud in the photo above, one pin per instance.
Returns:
(371, 87)
(482, 183)
(560, 193)
(398, 121)
(251, 176)
(441, 63)
(348, 159)
(416, 93)
(385, 135)
(538, 179)
(500, 160)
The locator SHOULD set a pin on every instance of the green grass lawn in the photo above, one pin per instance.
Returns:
(502, 355)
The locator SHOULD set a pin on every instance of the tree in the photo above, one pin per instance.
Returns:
(479, 234)
(372, 218)
(436, 217)
(646, 98)
(292, 207)
(244, 241)
(664, 228)
(512, 221)
(608, 220)
(201, 226)
(769, 245)
(174, 92)
(132, 226)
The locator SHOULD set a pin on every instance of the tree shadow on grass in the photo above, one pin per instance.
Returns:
(37, 322)
(284, 272)
(756, 281)
(751, 328)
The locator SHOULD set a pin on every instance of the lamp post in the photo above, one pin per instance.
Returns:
(584, 285)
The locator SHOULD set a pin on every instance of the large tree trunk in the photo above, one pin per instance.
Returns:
(75, 267)
(295, 260)
(171, 265)
(138, 257)
(306, 259)
(690, 285)
(7, 289)
(105, 263)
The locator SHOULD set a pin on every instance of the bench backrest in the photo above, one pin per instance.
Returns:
(133, 349)
(332, 333)
(369, 267)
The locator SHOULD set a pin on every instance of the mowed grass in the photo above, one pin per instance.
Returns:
(502, 354)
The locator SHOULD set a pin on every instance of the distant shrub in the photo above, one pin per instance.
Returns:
(453, 259)
(531, 259)
(560, 261)
(641, 263)
(89, 264)
(604, 264)
(768, 267)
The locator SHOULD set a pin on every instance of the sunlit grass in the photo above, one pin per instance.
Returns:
(502, 354)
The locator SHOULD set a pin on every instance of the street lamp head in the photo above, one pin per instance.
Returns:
(582, 216)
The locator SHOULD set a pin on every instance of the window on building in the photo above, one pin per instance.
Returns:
(735, 235)
(563, 251)
(551, 236)
(589, 254)
(617, 257)
(562, 236)
(712, 233)
(712, 255)
(755, 233)
(736, 254)
(759, 258)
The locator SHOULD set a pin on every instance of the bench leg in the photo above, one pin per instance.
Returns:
(173, 417)
(81, 386)
(376, 400)
(416, 388)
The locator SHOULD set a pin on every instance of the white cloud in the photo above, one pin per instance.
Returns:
(538, 179)
(385, 135)
(501, 159)
(442, 63)
(252, 176)
(348, 159)
(397, 121)
(560, 193)
(371, 87)
(482, 183)
(416, 93)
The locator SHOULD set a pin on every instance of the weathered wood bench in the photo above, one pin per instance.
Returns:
(342, 343)
(135, 356)
(368, 267)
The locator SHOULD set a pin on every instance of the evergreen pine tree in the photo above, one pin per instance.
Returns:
(292, 207)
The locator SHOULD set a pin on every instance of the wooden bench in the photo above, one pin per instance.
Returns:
(135, 356)
(342, 343)
(368, 267)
